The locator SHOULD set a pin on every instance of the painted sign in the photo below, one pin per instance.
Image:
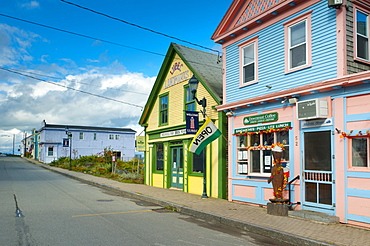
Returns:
(262, 128)
(262, 118)
(317, 123)
(173, 133)
(192, 122)
(140, 143)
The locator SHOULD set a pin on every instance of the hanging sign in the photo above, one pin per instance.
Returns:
(262, 118)
(192, 122)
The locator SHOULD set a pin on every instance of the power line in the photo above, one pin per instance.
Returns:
(54, 77)
(81, 35)
(138, 26)
(102, 40)
(85, 92)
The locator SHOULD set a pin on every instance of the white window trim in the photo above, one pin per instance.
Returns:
(355, 10)
(243, 45)
(304, 17)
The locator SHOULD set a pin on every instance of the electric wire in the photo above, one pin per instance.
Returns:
(138, 26)
(64, 86)
(102, 40)
(78, 82)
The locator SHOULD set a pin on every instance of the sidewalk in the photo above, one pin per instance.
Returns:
(294, 230)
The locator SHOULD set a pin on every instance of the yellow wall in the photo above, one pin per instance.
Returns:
(176, 100)
(158, 180)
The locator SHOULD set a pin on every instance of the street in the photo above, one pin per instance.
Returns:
(40, 207)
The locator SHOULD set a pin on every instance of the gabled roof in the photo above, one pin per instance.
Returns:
(244, 15)
(207, 67)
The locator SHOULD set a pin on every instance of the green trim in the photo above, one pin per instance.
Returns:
(222, 161)
(160, 110)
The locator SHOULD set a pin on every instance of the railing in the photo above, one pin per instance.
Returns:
(290, 182)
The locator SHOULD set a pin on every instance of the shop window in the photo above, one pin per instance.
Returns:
(254, 151)
(298, 43)
(159, 157)
(163, 110)
(50, 151)
(362, 35)
(360, 152)
(248, 61)
(199, 161)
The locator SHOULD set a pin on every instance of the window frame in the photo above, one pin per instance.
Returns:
(287, 27)
(117, 137)
(161, 111)
(95, 136)
(350, 153)
(242, 46)
(186, 102)
(249, 147)
(81, 136)
(111, 136)
(155, 160)
(355, 34)
(204, 159)
(52, 150)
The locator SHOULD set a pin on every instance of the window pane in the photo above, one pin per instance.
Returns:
(325, 194)
(282, 137)
(268, 138)
(298, 56)
(190, 106)
(362, 47)
(267, 161)
(255, 140)
(317, 151)
(286, 153)
(198, 161)
(359, 152)
(298, 34)
(242, 141)
(164, 109)
(361, 23)
(311, 192)
(256, 162)
(159, 156)
(248, 73)
(248, 53)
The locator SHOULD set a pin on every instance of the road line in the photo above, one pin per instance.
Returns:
(127, 212)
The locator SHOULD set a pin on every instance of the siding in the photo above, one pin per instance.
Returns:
(271, 59)
(352, 65)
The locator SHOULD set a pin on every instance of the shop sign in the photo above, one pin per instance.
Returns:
(140, 143)
(262, 118)
(192, 122)
(173, 133)
(262, 128)
(316, 123)
(182, 76)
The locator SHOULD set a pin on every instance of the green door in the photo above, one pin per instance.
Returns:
(177, 173)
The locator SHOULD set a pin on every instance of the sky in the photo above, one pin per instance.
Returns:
(90, 62)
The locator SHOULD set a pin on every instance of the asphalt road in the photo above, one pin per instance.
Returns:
(40, 207)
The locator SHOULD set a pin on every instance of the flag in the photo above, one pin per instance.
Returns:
(205, 135)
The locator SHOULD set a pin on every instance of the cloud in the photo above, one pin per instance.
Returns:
(30, 5)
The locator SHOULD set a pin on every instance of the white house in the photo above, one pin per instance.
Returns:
(85, 140)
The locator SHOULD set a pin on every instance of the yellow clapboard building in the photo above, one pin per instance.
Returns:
(168, 162)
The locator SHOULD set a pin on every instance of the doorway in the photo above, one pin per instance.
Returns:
(317, 172)
(177, 164)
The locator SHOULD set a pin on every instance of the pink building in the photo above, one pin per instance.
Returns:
(297, 74)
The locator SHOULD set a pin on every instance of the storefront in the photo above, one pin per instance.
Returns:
(168, 162)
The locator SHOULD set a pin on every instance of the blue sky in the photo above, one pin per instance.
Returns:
(123, 69)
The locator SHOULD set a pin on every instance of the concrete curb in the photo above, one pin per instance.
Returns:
(264, 231)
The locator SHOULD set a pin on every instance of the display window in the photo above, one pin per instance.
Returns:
(254, 155)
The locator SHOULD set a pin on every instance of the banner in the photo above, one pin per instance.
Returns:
(192, 122)
(205, 135)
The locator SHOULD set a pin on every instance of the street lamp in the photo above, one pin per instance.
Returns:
(69, 134)
(193, 86)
